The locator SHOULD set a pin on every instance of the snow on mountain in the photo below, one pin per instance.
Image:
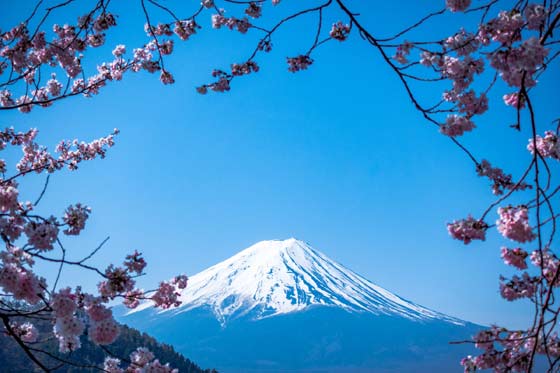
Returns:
(282, 276)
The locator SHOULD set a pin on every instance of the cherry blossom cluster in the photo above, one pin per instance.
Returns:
(244, 68)
(403, 50)
(221, 85)
(29, 55)
(515, 100)
(167, 294)
(504, 351)
(518, 65)
(185, 29)
(21, 283)
(549, 265)
(457, 5)
(467, 230)
(456, 125)
(547, 146)
(27, 332)
(70, 153)
(463, 43)
(510, 351)
(75, 218)
(339, 31)
(519, 287)
(254, 10)
(142, 360)
(242, 25)
(26, 53)
(501, 181)
(516, 59)
(515, 257)
(301, 62)
(73, 312)
(513, 223)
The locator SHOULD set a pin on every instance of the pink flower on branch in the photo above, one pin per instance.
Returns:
(253, 10)
(456, 125)
(166, 295)
(339, 31)
(513, 223)
(27, 332)
(75, 217)
(501, 181)
(301, 62)
(468, 229)
(547, 146)
(515, 257)
(519, 287)
(457, 5)
(514, 100)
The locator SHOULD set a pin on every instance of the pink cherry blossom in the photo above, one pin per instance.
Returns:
(54, 87)
(518, 65)
(253, 10)
(68, 327)
(8, 197)
(549, 264)
(547, 146)
(180, 281)
(244, 68)
(42, 235)
(103, 332)
(468, 229)
(111, 365)
(184, 29)
(456, 125)
(514, 100)
(119, 50)
(69, 343)
(515, 257)
(166, 296)
(12, 227)
(339, 31)
(21, 283)
(518, 287)
(301, 62)
(469, 104)
(135, 263)
(118, 282)
(535, 14)
(156, 367)
(63, 303)
(141, 357)
(402, 52)
(27, 332)
(133, 297)
(463, 43)
(75, 217)
(501, 181)
(457, 5)
(98, 311)
(166, 77)
(513, 223)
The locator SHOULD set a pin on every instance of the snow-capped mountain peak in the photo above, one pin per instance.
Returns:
(282, 276)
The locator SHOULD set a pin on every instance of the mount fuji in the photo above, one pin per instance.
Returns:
(283, 306)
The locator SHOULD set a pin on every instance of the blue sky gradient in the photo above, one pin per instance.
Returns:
(336, 156)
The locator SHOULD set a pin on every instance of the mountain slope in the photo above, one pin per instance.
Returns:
(281, 276)
(282, 306)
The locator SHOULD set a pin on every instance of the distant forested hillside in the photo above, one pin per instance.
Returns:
(13, 358)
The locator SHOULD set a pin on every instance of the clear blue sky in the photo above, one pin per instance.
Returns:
(336, 156)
